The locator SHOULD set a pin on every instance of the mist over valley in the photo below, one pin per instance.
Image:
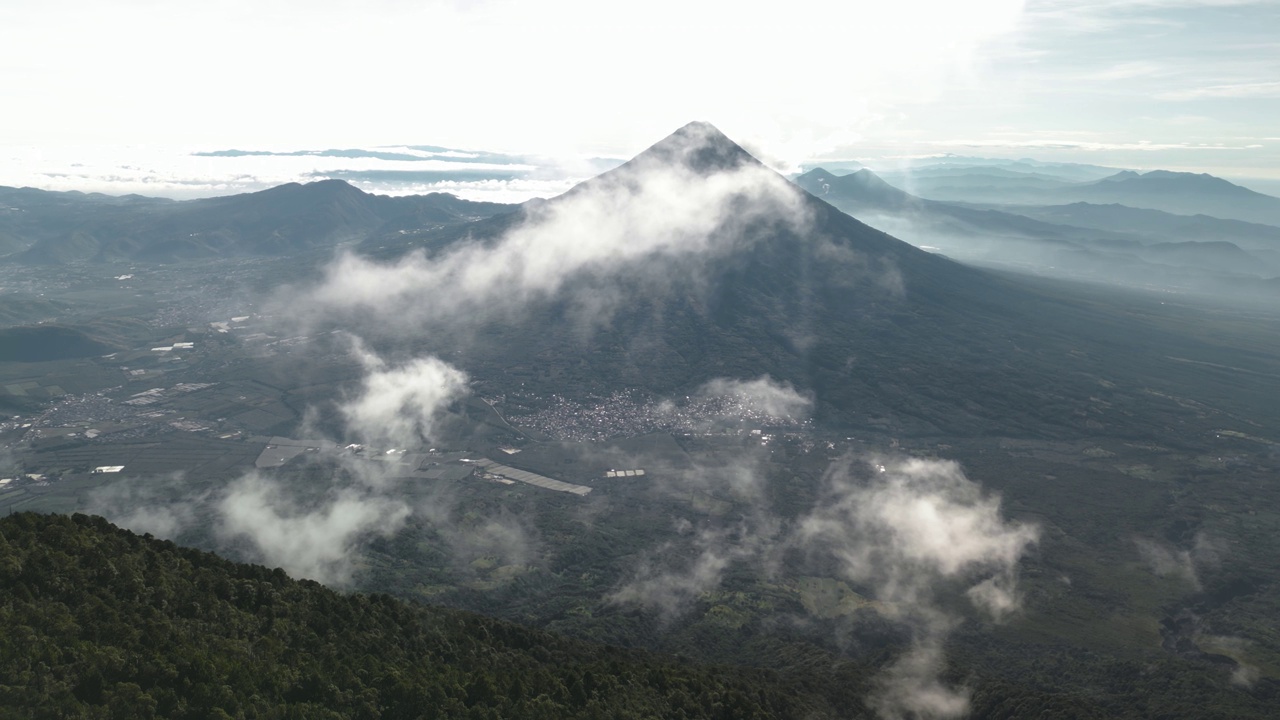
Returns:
(689, 397)
(426, 360)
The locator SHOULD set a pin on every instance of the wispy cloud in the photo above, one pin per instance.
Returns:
(1229, 90)
(316, 542)
(632, 222)
(163, 506)
(1065, 143)
(908, 531)
(398, 405)
(763, 394)
(180, 173)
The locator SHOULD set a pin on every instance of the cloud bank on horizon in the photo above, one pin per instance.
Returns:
(1186, 84)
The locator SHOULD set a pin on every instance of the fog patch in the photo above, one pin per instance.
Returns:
(151, 505)
(503, 536)
(1167, 561)
(318, 542)
(675, 574)
(397, 406)
(763, 395)
(912, 531)
(911, 689)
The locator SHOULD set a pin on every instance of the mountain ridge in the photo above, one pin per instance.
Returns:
(288, 218)
(1179, 193)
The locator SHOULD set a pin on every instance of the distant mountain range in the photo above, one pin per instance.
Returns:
(1112, 243)
(28, 215)
(1174, 192)
(865, 193)
(39, 227)
(1154, 225)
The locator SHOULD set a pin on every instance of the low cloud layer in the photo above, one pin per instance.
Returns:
(914, 523)
(396, 406)
(318, 532)
(658, 206)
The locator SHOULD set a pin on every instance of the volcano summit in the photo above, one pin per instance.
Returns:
(694, 261)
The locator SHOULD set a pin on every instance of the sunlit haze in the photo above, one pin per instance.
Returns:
(116, 97)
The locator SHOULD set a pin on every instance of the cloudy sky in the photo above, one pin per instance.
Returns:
(119, 95)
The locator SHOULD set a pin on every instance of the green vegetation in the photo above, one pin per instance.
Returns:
(102, 623)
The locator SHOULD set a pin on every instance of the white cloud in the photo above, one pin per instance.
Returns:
(1229, 90)
(178, 173)
(397, 406)
(319, 543)
(161, 506)
(491, 190)
(910, 532)
(764, 395)
(914, 523)
(658, 207)
(1069, 143)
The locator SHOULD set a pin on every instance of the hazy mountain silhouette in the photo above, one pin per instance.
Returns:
(1156, 225)
(28, 215)
(864, 192)
(977, 184)
(282, 220)
(1182, 194)
(1174, 192)
(1113, 247)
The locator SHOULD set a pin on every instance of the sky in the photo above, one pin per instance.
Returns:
(118, 96)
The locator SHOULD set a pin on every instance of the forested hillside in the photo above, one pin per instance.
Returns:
(102, 623)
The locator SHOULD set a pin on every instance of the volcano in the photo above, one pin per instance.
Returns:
(716, 266)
